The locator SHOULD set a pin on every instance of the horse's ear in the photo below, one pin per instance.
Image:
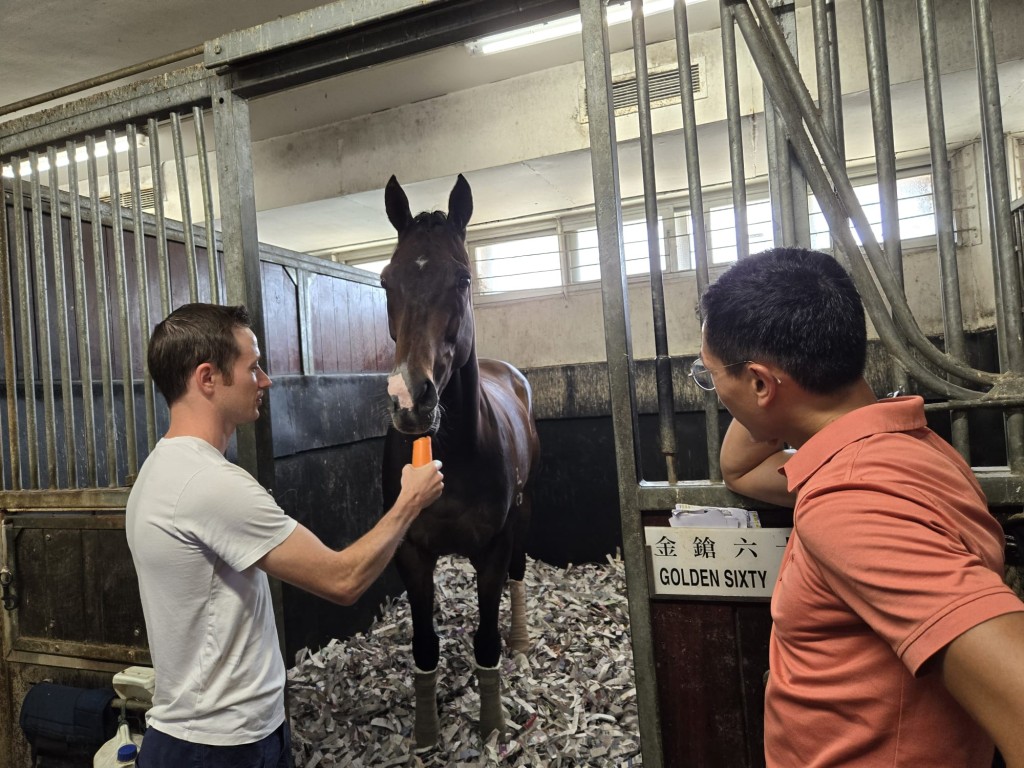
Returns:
(396, 203)
(460, 205)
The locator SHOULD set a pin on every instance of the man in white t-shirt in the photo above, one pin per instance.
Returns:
(204, 535)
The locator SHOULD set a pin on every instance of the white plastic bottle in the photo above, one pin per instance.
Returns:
(120, 751)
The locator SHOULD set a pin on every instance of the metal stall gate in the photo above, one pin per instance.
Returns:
(683, 711)
(105, 228)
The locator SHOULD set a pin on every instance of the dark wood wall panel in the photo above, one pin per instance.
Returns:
(283, 353)
(328, 320)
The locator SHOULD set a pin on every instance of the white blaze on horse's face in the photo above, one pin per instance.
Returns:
(422, 261)
(398, 387)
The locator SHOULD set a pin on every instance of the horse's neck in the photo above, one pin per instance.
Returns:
(461, 400)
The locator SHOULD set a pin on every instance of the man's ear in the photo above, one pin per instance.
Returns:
(204, 376)
(764, 382)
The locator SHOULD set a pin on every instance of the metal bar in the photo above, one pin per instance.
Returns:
(942, 195)
(93, 114)
(772, 53)
(823, 65)
(331, 40)
(102, 313)
(621, 366)
(1007, 268)
(836, 210)
(662, 360)
(141, 280)
(879, 91)
(82, 319)
(243, 282)
(837, 87)
(13, 442)
(67, 395)
(713, 435)
(206, 185)
(121, 293)
(186, 210)
(735, 128)
(42, 321)
(28, 364)
(93, 82)
(158, 214)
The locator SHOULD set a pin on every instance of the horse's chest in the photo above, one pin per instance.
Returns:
(455, 525)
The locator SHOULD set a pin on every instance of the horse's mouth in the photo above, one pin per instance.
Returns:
(410, 423)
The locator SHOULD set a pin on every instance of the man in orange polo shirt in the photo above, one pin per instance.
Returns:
(895, 641)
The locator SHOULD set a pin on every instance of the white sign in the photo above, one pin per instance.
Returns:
(738, 563)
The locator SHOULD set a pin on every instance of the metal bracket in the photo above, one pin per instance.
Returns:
(10, 601)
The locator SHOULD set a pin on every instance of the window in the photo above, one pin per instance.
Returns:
(915, 204)
(562, 251)
(583, 256)
(518, 265)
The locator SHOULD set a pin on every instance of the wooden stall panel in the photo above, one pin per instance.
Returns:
(75, 587)
(283, 352)
(328, 323)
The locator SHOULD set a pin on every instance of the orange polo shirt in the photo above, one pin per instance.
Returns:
(893, 555)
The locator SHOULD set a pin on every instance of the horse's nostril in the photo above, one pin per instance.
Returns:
(428, 396)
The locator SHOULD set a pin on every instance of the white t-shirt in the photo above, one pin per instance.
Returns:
(196, 525)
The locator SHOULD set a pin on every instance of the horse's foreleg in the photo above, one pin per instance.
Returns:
(491, 572)
(417, 572)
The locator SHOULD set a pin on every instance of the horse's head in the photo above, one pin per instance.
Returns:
(430, 314)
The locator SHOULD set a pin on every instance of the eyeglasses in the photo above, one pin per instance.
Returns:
(702, 375)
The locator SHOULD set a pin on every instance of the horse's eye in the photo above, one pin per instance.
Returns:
(464, 283)
(383, 283)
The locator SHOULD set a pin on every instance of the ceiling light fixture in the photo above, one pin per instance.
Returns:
(559, 28)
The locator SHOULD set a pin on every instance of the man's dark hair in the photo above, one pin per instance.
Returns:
(792, 307)
(191, 335)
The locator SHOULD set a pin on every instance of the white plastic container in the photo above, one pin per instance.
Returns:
(120, 751)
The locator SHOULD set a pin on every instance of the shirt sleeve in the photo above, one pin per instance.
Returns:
(232, 514)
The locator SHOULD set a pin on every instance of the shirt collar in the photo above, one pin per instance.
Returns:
(896, 414)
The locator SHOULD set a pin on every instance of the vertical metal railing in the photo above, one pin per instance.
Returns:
(76, 295)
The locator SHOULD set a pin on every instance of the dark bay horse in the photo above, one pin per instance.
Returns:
(478, 413)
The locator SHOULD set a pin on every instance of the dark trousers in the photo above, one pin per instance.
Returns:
(162, 751)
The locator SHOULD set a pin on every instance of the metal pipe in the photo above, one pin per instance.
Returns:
(823, 66)
(141, 281)
(662, 360)
(82, 320)
(837, 86)
(28, 363)
(621, 367)
(879, 90)
(13, 443)
(773, 52)
(713, 435)
(121, 293)
(42, 320)
(836, 210)
(186, 210)
(206, 186)
(942, 195)
(102, 313)
(735, 129)
(1007, 268)
(93, 82)
(158, 214)
(67, 395)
